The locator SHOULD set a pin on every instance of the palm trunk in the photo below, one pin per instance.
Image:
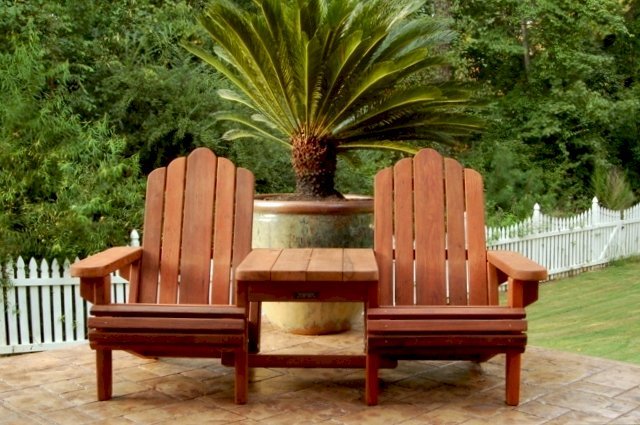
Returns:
(314, 162)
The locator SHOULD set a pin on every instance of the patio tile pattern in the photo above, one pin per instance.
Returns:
(58, 387)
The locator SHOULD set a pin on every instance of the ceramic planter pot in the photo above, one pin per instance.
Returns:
(281, 223)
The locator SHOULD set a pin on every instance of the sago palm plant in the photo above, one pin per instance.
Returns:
(326, 76)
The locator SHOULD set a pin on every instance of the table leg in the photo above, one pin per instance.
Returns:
(252, 316)
(255, 316)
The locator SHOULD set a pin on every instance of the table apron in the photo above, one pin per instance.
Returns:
(308, 290)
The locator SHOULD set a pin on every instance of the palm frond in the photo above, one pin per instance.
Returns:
(278, 42)
(398, 103)
(236, 134)
(378, 76)
(340, 71)
(249, 126)
(233, 96)
(245, 49)
(380, 145)
(423, 32)
(429, 127)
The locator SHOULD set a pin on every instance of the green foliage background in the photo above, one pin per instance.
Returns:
(553, 119)
(94, 95)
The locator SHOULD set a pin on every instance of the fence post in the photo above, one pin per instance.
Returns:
(536, 218)
(135, 238)
(595, 211)
(4, 302)
(596, 233)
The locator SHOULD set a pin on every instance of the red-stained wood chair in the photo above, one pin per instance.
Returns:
(438, 287)
(197, 228)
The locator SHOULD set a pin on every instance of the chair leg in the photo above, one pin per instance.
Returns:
(241, 375)
(513, 379)
(371, 379)
(104, 374)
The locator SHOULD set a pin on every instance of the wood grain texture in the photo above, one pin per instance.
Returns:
(151, 239)
(456, 242)
(172, 231)
(403, 231)
(383, 234)
(190, 224)
(455, 316)
(359, 264)
(476, 244)
(106, 262)
(517, 266)
(325, 265)
(431, 288)
(258, 264)
(197, 230)
(223, 231)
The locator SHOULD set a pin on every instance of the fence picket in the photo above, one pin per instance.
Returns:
(68, 318)
(20, 269)
(33, 269)
(80, 314)
(22, 309)
(34, 315)
(3, 320)
(57, 313)
(12, 317)
(47, 329)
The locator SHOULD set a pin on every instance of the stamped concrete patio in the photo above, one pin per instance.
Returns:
(557, 388)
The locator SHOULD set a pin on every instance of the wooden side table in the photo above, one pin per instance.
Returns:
(305, 274)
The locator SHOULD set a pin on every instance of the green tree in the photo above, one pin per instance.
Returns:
(322, 77)
(132, 70)
(558, 73)
(67, 188)
(127, 65)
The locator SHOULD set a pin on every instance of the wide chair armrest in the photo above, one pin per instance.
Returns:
(523, 276)
(106, 262)
(517, 266)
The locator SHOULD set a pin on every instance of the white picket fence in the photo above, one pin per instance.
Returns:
(569, 245)
(42, 307)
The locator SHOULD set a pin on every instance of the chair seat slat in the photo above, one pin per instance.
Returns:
(156, 310)
(442, 343)
(448, 312)
(190, 325)
(143, 341)
(461, 325)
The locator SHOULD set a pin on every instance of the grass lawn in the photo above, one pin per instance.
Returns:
(596, 313)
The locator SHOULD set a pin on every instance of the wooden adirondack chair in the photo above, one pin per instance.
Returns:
(197, 228)
(438, 287)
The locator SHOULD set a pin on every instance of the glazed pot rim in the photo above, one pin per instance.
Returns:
(352, 204)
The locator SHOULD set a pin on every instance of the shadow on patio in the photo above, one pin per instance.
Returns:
(557, 388)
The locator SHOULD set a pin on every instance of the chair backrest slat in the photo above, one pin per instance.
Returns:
(456, 256)
(223, 237)
(429, 233)
(198, 219)
(383, 236)
(429, 224)
(172, 231)
(403, 230)
(476, 242)
(152, 239)
(197, 227)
